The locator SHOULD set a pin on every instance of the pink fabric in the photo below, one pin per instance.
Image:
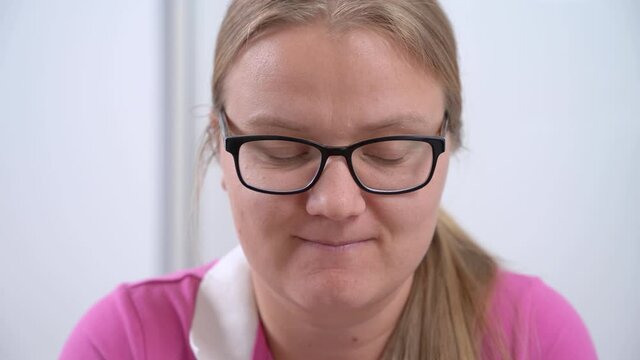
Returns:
(146, 320)
(537, 322)
(261, 349)
(152, 319)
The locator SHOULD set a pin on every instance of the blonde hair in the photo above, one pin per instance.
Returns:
(444, 317)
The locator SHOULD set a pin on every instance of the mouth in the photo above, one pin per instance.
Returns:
(334, 245)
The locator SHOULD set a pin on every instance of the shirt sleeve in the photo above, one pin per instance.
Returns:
(557, 329)
(109, 330)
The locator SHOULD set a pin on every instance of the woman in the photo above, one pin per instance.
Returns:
(334, 122)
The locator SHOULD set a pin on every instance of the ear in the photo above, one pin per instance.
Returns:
(213, 119)
(223, 184)
(213, 136)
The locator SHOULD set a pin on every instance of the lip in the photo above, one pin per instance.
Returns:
(334, 245)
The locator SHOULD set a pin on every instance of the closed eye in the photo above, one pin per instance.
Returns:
(273, 153)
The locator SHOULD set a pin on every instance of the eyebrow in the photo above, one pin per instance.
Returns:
(267, 121)
(408, 120)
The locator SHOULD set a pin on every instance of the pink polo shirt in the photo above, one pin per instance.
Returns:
(153, 319)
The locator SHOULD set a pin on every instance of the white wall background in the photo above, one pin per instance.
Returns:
(547, 182)
(80, 161)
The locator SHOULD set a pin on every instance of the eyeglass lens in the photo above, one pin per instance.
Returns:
(283, 166)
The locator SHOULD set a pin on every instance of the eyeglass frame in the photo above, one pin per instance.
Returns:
(232, 144)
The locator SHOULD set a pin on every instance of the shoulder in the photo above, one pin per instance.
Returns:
(143, 320)
(537, 321)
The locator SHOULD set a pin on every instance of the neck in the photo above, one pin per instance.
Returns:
(296, 333)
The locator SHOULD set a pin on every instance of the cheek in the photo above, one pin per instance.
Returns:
(410, 219)
(261, 220)
(239, 199)
(246, 207)
(409, 224)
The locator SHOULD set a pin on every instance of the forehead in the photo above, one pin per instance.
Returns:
(313, 79)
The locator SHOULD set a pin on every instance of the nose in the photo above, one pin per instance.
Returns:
(335, 195)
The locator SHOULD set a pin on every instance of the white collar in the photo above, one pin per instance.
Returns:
(225, 319)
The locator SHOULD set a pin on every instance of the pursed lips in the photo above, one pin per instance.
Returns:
(334, 244)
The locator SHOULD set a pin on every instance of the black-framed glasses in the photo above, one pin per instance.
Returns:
(283, 165)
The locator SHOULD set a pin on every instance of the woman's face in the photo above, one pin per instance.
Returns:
(334, 246)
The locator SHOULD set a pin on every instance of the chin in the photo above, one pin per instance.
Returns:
(334, 291)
